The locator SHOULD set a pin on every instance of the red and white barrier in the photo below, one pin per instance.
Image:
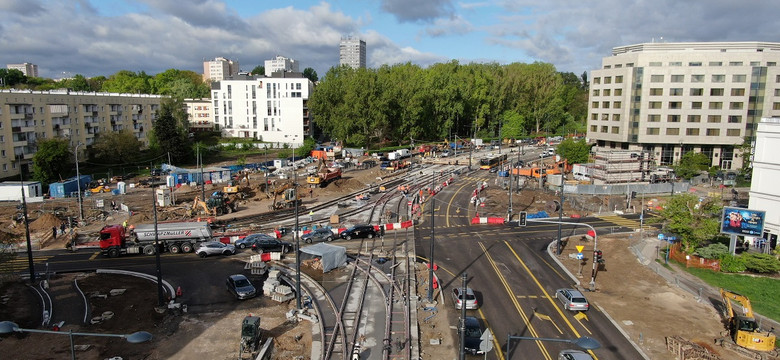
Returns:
(488, 220)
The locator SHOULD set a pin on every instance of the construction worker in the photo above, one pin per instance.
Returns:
(311, 215)
(124, 224)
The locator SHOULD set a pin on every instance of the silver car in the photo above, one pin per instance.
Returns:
(572, 299)
(240, 287)
(471, 299)
(318, 235)
(215, 248)
(573, 355)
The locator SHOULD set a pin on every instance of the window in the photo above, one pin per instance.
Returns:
(694, 118)
(735, 105)
(5, 167)
(735, 63)
(2, 153)
(606, 92)
(593, 128)
(676, 91)
(713, 118)
(732, 132)
(692, 132)
(596, 92)
(675, 105)
(715, 63)
(597, 80)
(616, 130)
(605, 104)
(716, 105)
(594, 116)
(738, 78)
(718, 78)
(677, 78)
(594, 104)
(604, 129)
(673, 131)
(675, 63)
(616, 105)
(653, 131)
(618, 66)
(694, 63)
(737, 92)
(654, 105)
(776, 106)
(735, 119)
(777, 78)
(696, 105)
(713, 132)
(697, 92)
(656, 91)
(672, 118)
(604, 117)
(771, 63)
(654, 118)
(618, 92)
(655, 63)
(656, 78)
(755, 63)
(608, 66)
(619, 79)
(608, 79)
(777, 93)
(697, 78)
(615, 117)
(630, 65)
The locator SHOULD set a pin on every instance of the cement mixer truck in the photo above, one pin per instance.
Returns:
(174, 237)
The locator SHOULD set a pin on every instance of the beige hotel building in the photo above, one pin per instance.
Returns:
(671, 98)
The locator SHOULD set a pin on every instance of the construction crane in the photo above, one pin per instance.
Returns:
(743, 328)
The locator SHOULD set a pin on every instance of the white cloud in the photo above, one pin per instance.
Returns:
(453, 25)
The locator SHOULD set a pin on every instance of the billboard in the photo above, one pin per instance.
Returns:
(739, 221)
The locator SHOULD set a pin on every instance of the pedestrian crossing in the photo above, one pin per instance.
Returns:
(20, 263)
(621, 221)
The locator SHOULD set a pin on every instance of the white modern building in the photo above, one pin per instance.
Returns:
(352, 52)
(270, 109)
(280, 63)
(671, 98)
(26, 68)
(764, 192)
(199, 114)
(219, 69)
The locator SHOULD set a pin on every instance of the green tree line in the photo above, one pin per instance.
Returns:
(396, 103)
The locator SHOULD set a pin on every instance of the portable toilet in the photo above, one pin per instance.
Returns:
(122, 187)
(170, 181)
(163, 197)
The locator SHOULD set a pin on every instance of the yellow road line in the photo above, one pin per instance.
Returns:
(496, 345)
(450, 203)
(512, 296)
(94, 255)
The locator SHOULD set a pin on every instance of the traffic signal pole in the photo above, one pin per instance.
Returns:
(592, 285)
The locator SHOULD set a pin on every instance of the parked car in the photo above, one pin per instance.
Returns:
(251, 240)
(574, 355)
(318, 235)
(471, 299)
(215, 248)
(572, 299)
(240, 287)
(272, 245)
(473, 335)
(358, 231)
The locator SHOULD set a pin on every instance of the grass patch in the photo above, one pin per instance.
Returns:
(763, 292)
(664, 264)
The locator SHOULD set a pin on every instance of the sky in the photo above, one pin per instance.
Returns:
(101, 37)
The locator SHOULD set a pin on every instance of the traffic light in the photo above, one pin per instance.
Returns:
(633, 194)
(521, 219)
(599, 256)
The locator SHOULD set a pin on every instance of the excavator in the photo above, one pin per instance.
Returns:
(218, 204)
(743, 328)
(290, 197)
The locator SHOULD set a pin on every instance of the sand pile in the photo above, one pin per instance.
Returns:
(139, 218)
(45, 222)
(184, 188)
(346, 185)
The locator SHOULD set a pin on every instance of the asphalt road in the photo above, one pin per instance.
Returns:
(514, 278)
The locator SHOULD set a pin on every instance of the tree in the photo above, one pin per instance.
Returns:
(746, 151)
(11, 77)
(691, 164)
(693, 221)
(576, 152)
(116, 147)
(310, 74)
(170, 130)
(77, 83)
(128, 82)
(258, 70)
(52, 160)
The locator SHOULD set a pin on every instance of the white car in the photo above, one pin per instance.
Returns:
(215, 248)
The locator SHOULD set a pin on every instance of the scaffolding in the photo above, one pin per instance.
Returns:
(621, 166)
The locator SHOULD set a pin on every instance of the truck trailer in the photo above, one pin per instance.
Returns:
(175, 237)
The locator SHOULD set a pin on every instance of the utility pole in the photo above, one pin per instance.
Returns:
(464, 278)
(297, 241)
(202, 179)
(160, 299)
(560, 218)
(27, 229)
(78, 183)
(430, 268)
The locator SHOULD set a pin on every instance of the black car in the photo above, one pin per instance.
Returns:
(473, 336)
(358, 231)
(272, 245)
(250, 240)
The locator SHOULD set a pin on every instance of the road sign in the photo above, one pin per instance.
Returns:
(580, 248)
(486, 341)
(660, 236)
(580, 256)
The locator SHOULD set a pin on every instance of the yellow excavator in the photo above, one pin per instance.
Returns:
(743, 327)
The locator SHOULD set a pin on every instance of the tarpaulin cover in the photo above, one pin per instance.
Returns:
(331, 256)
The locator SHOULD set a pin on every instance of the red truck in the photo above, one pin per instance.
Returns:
(175, 237)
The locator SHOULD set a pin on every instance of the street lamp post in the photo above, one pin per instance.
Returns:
(78, 182)
(7, 327)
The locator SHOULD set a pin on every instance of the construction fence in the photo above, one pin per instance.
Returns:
(624, 189)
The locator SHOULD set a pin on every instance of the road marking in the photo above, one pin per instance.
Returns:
(549, 298)
(519, 309)
(94, 255)
(548, 318)
(450, 204)
(20, 263)
(496, 345)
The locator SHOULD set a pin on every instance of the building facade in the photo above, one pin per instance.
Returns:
(27, 69)
(764, 192)
(219, 69)
(271, 109)
(352, 52)
(280, 63)
(671, 98)
(199, 114)
(28, 116)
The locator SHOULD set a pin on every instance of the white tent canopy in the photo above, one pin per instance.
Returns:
(332, 256)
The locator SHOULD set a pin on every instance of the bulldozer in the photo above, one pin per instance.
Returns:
(250, 336)
(218, 204)
(290, 197)
(743, 328)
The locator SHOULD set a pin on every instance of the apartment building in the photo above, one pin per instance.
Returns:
(764, 192)
(26, 68)
(280, 63)
(199, 114)
(219, 69)
(352, 52)
(271, 109)
(28, 116)
(671, 98)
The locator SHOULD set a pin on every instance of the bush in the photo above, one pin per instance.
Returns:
(761, 263)
(713, 251)
(731, 264)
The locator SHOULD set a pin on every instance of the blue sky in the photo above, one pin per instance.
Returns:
(101, 37)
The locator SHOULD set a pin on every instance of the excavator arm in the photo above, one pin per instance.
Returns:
(747, 309)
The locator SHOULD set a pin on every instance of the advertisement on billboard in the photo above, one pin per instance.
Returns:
(739, 221)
